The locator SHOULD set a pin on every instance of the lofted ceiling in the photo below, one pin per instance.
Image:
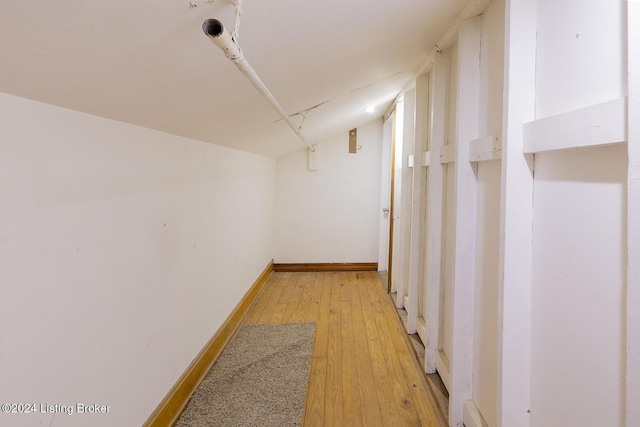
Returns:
(149, 63)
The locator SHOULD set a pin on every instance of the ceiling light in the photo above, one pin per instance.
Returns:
(370, 109)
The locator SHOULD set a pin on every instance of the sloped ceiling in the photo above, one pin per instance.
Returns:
(149, 63)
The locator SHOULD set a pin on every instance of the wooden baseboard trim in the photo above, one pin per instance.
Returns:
(170, 408)
(345, 266)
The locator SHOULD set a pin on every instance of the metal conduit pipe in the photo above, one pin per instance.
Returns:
(221, 38)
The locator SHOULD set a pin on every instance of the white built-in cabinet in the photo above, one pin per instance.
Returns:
(516, 249)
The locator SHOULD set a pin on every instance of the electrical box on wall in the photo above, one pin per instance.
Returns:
(353, 140)
(313, 158)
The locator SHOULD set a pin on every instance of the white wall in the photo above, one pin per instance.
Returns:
(449, 208)
(579, 267)
(330, 215)
(122, 250)
(579, 216)
(581, 54)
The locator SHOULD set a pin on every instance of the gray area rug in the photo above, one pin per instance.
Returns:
(259, 380)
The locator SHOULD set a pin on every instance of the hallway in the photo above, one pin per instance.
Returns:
(363, 369)
(485, 153)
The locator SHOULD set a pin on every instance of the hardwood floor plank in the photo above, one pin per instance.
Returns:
(333, 394)
(371, 414)
(314, 405)
(294, 299)
(288, 293)
(273, 290)
(316, 297)
(307, 282)
(322, 321)
(314, 410)
(352, 408)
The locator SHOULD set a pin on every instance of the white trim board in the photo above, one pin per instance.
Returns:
(486, 148)
(472, 416)
(416, 248)
(438, 101)
(632, 409)
(463, 303)
(444, 369)
(448, 153)
(598, 124)
(426, 158)
(513, 392)
(404, 227)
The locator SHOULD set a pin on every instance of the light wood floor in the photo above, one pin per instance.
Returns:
(363, 370)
